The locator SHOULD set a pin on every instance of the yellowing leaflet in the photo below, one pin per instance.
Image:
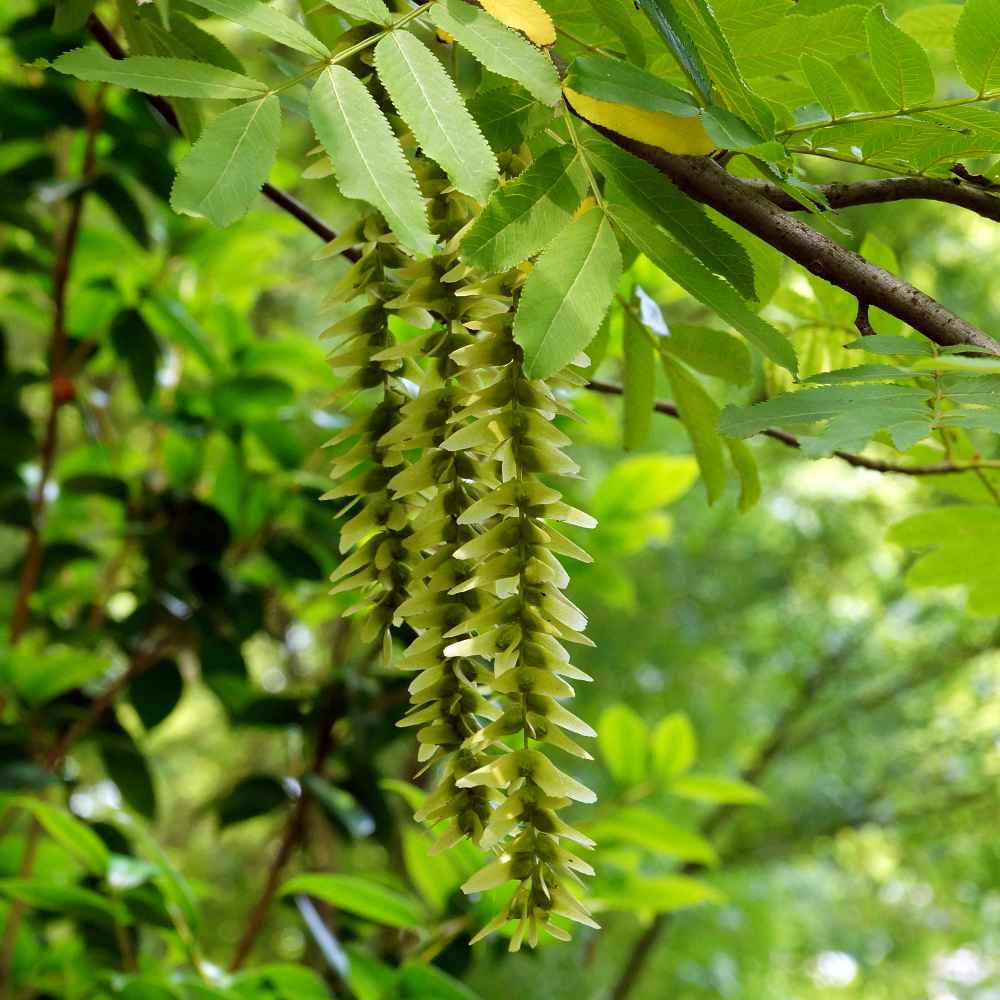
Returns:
(527, 16)
(686, 136)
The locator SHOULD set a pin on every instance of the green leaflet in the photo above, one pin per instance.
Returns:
(698, 281)
(854, 412)
(723, 70)
(638, 383)
(700, 415)
(827, 85)
(673, 31)
(429, 103)
(226, 167)
(644, 186)
(360, 896)
(900, 64)
(746, 468)
(729, 131)
(977, 45)
(567, 294)
(503, 116)
(160, 76)
(833, 36)
(499, 48)
(620, 16)
(621, 83)
(365, 10)
(268, 22)
(526, 215)
(367, 159)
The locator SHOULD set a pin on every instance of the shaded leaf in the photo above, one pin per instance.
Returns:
(156, 692)
(639, 383)
(360, 896)
(267, 21)
(526, 215)
(226, 168)
(698, 281)
(567, 294)
(253, 796)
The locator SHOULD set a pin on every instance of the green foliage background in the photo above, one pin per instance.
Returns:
(797, 756)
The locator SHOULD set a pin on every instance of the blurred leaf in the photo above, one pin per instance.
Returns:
(624, 741)
(961, 547)
(647, 829)
(293, 558)
(674, 746)
(40, 679)
(249, 398)
(360, 896)
(417, 981)
(65, 900)
(716, 788)
(67, 831)
(655, 894)
(433, 875)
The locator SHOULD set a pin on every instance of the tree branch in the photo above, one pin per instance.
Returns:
(701, 178)
(889, 189)
(668, 408)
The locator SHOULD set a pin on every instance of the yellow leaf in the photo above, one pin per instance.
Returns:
(686, 136)
(524, 15)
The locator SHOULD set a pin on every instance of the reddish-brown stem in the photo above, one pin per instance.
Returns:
(60, 386)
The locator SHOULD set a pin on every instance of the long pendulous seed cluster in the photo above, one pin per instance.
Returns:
(456, 535)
